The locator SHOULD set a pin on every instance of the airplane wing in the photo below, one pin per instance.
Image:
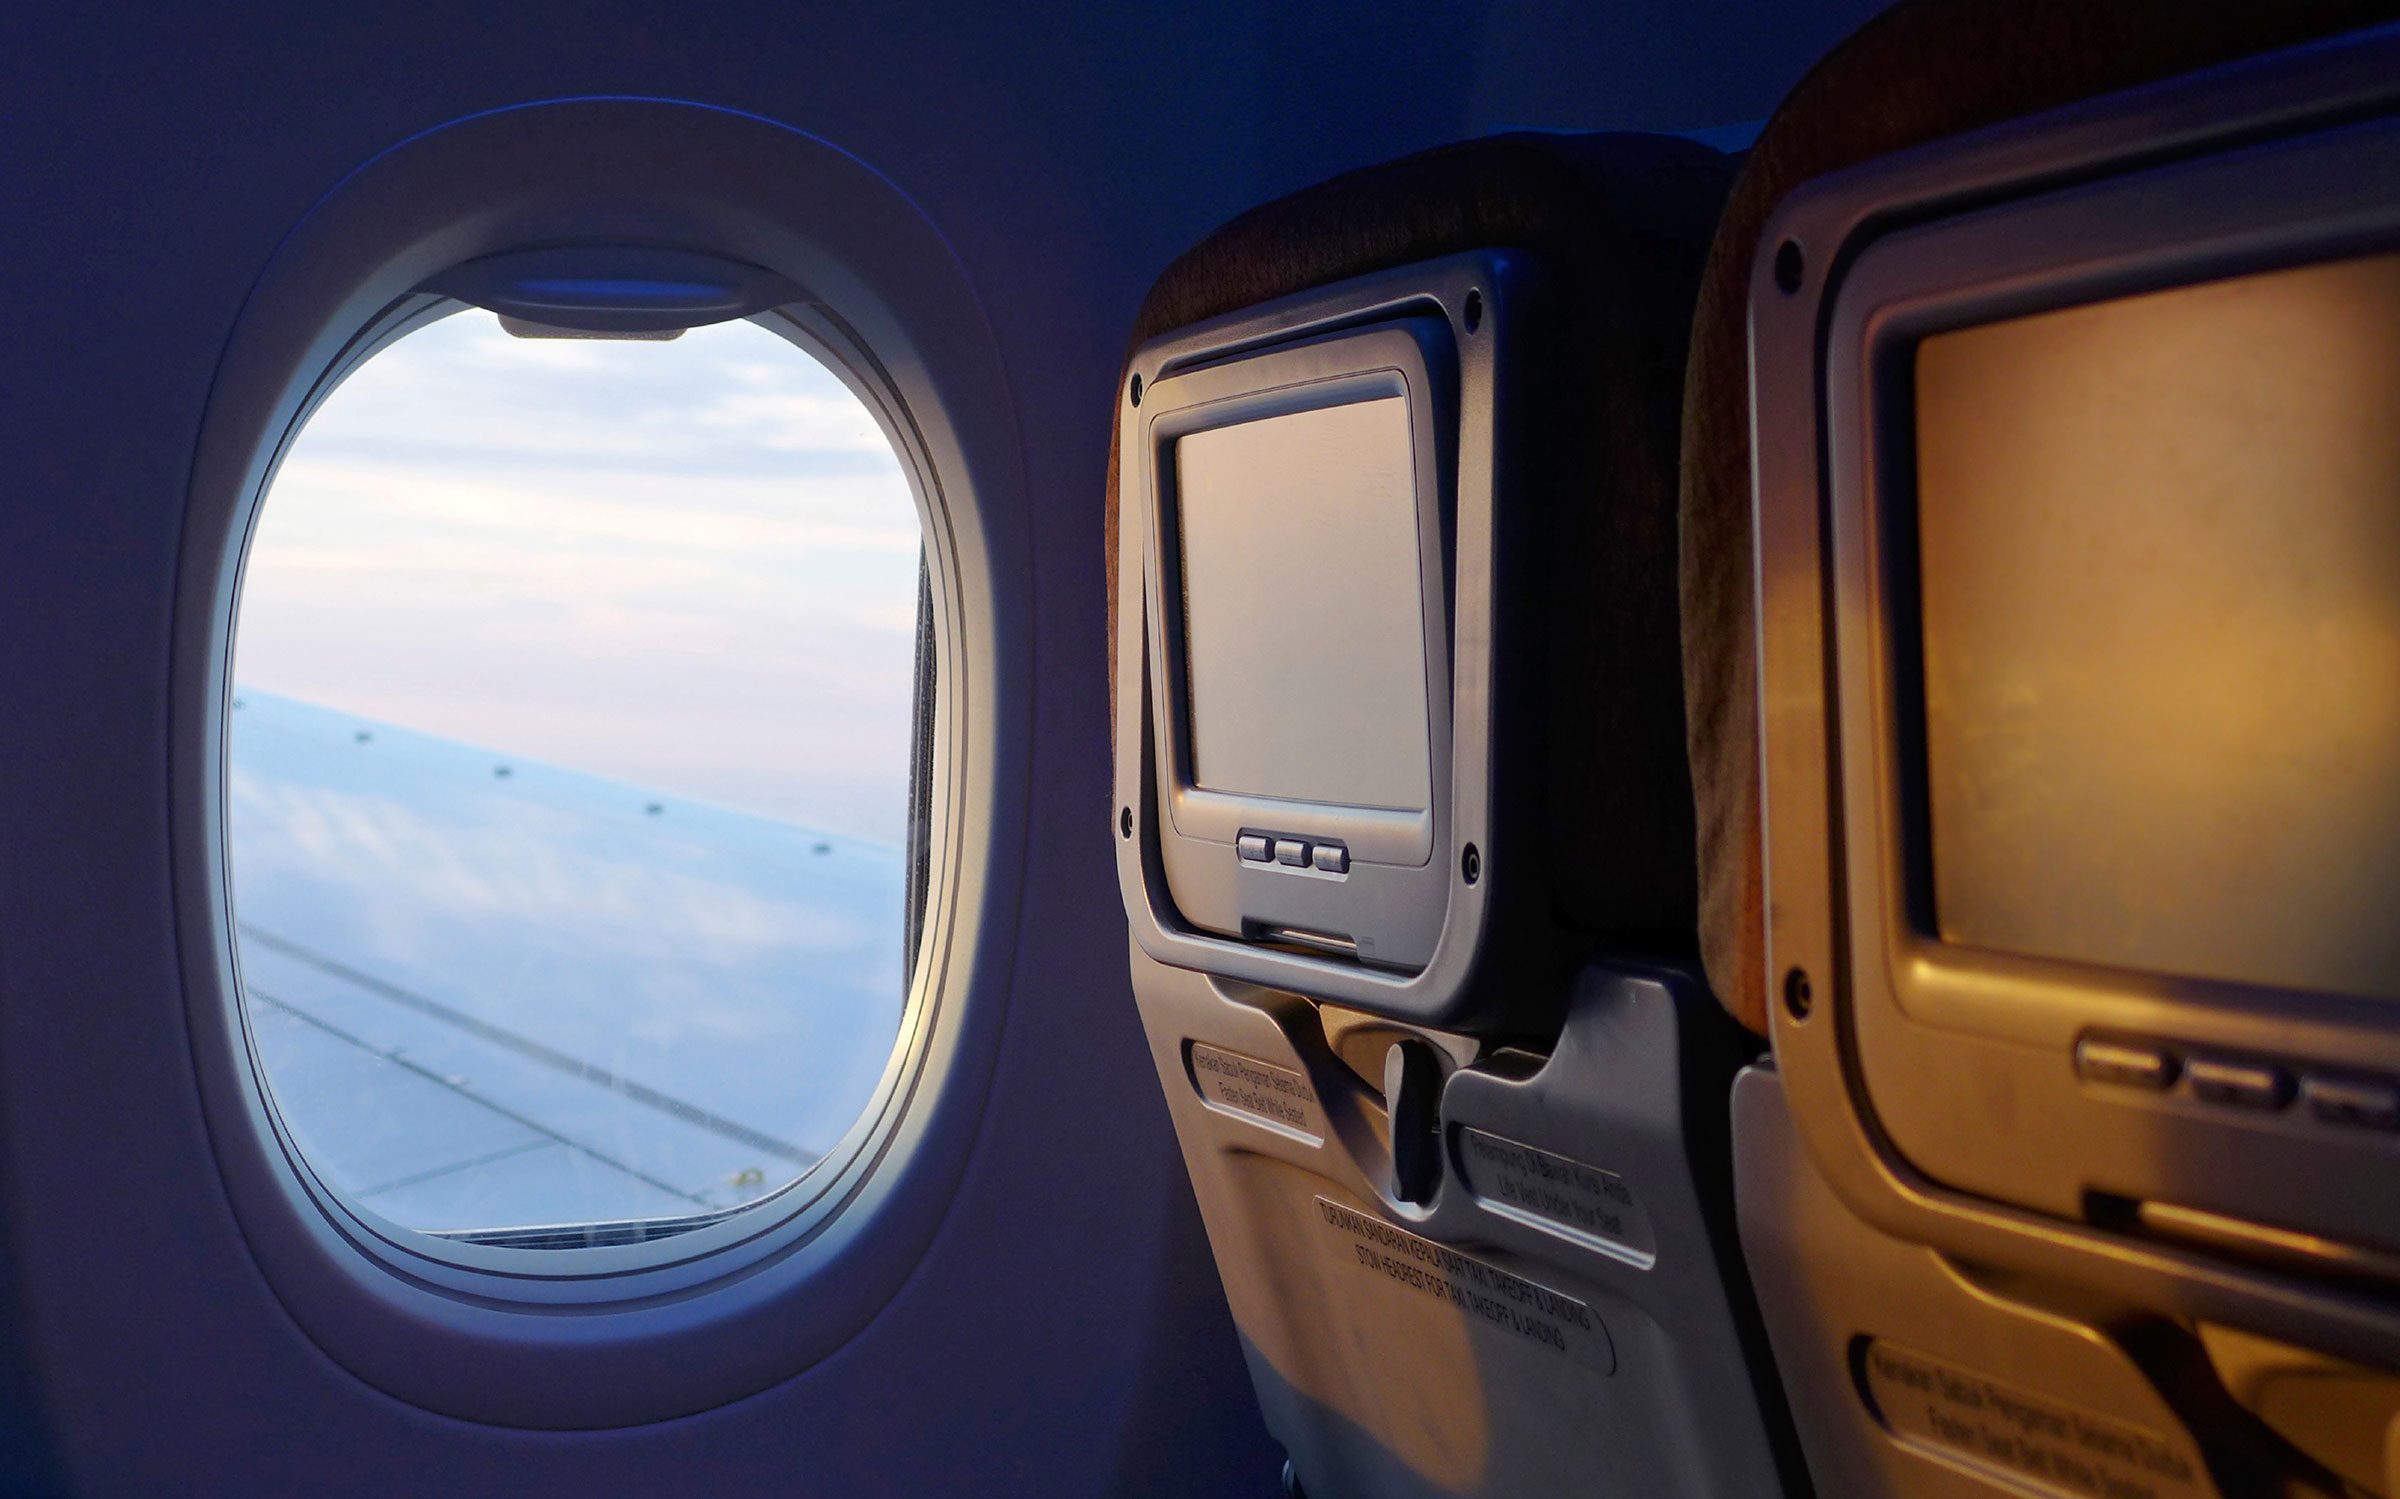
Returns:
(501, 1000)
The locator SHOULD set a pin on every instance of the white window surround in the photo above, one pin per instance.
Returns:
(614, 1336)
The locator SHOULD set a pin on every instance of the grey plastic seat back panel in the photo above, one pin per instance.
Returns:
(1556, 1321)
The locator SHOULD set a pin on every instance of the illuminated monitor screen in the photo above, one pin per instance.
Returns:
(2159, 587)
(1304, 618)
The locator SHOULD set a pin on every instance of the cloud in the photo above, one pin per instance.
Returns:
(798, 421)
(557, 547)
(731, 397)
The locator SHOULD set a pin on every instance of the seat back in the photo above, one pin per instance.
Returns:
(1477, 1240)
(2000, 338)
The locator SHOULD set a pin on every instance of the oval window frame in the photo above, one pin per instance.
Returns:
(594, 1337)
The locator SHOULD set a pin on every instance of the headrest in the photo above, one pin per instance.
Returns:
(1618, 225)
(1922, 70)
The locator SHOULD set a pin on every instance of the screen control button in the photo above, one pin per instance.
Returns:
(1331, 857)
(1258, 848)
(2368, 1103)
(2247, 1085)
(1291, 851)
(2129, 1064)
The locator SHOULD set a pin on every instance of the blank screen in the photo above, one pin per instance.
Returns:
(2160, 587)
(1304, 633)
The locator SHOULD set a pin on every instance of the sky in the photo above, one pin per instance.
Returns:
(690, 565)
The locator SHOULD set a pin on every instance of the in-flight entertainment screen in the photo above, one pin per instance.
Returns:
(1303, 607)
(2158, 580)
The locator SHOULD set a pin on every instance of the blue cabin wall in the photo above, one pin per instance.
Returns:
(1064, 1334)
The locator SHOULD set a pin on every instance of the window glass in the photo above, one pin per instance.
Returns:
(568, 786)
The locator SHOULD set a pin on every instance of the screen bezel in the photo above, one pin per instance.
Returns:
(1198, 906)
(1340, 369)
(1924, 1013)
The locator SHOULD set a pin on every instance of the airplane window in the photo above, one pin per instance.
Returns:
(570, 775)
